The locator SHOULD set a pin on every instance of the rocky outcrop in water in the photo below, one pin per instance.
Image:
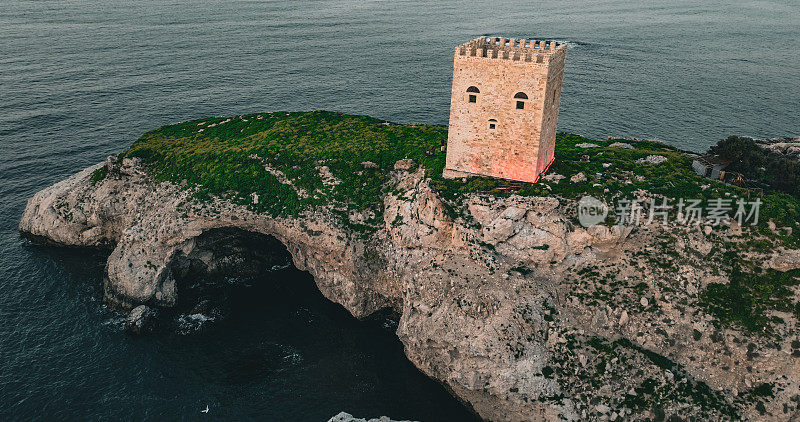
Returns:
(346, 417)
(518, 311)
(139, 319)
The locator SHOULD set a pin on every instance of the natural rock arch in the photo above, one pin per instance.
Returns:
(227, 252)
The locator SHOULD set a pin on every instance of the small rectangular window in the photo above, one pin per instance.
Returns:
(491, 125)
(520, 105)
(472, 98)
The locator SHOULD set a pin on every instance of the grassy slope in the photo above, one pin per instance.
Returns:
(225, 157)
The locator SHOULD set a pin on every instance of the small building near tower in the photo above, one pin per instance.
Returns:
(504, 108)
(710, 165)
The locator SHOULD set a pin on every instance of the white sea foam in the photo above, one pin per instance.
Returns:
(189, 323)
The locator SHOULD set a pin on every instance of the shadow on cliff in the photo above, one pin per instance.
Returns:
(271, 330)
(224, 257)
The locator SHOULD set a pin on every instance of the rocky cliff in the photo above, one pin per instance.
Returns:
(517, 310)
(787, 147)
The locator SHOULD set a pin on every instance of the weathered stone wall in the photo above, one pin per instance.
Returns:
(521, 144)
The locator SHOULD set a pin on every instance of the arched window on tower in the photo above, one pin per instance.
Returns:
(520, 97)
(492, 124)
(473, 91)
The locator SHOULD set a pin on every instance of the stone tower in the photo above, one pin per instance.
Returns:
(504, 108)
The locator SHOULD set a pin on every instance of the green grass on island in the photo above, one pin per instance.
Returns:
(235, 158)
(226, 157)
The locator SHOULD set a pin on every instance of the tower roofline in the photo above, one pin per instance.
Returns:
(509, 48)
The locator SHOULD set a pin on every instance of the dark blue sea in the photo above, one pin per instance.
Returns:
(80, 80)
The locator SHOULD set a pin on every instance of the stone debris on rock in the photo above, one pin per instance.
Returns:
(603, 409)
(621, 145)
(623, 318)
(553, 177)
(580, 177)
(652, 159)
(327, 176)
(587, 145)
(513, 213)
(404, 165)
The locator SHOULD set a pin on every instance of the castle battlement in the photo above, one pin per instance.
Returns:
(534, 51)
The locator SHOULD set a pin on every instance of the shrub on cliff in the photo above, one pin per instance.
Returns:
(757, 163)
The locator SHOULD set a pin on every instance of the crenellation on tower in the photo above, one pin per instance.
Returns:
(504, 107)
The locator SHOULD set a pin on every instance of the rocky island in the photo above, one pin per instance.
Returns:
(500, 294)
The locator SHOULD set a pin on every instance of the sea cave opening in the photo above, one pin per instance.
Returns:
(224, 257)
(271, 329)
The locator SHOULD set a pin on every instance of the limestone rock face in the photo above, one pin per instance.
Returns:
(785, 260)
(505, 303)
(789, 147)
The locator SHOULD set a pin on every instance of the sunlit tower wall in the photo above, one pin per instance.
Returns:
(504, 108)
